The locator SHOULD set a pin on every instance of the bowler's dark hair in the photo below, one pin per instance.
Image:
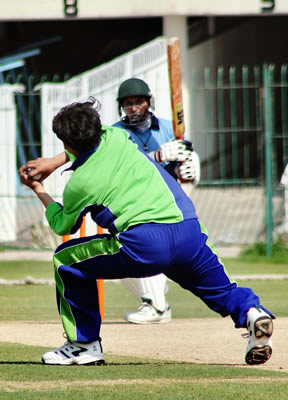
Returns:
(78, 125)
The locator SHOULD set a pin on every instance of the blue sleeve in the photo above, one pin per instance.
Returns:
(166, 129)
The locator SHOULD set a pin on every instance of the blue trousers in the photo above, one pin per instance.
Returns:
(181, 251)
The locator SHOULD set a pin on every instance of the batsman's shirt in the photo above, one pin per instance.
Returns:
(160, 132)
(121, 187)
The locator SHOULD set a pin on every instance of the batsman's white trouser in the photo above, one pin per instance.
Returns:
(152, 288)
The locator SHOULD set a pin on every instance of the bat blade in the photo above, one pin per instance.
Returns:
(175, 81)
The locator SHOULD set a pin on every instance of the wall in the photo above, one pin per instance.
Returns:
(53, 9)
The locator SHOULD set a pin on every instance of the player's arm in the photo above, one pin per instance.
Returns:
(59, 223)
(45, 166)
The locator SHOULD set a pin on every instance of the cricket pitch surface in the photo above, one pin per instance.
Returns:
(212, 341)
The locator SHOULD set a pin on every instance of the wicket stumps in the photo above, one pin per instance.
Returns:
(99, 282)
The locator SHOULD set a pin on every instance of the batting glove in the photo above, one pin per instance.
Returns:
(177, 150)
(189, 170)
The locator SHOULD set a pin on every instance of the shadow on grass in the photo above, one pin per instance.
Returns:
(117, 364)
(21, 363)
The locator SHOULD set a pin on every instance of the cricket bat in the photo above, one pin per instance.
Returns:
(175, 82)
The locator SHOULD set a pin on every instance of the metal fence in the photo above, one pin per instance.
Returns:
(241, 124)
(276, 149)
(230, 127)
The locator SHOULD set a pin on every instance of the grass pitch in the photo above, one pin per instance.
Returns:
(22, 376)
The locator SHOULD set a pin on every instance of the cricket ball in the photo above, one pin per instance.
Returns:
(36, 177)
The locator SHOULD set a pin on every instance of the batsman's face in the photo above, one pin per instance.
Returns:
(135, 108)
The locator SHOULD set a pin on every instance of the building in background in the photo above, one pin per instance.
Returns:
(75, 36)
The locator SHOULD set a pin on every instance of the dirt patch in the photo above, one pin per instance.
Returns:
(202, 341)
(15, 386)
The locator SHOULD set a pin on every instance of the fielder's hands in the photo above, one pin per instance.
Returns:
(28, 180)
(189, 170)
(177, 150)
(45, 166)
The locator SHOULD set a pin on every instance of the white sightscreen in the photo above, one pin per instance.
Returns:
(8, 162)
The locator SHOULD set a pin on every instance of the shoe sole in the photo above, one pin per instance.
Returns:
(159, 321)
(258, 355)
(263, 327)
(73, 361)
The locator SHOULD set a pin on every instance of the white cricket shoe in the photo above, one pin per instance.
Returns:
(147, 314)
(72, 353)
(260, 328)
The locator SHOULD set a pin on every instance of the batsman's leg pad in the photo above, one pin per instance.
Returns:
(151, 288)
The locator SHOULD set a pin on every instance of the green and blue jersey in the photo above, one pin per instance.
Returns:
(121, 187)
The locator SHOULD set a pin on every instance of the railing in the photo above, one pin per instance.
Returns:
(276, 143)
(227, 124)
(241, 129)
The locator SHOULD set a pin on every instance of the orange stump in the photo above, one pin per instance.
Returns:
(99, 282)
(100, 285)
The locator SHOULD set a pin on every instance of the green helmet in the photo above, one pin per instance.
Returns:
(133, 87)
